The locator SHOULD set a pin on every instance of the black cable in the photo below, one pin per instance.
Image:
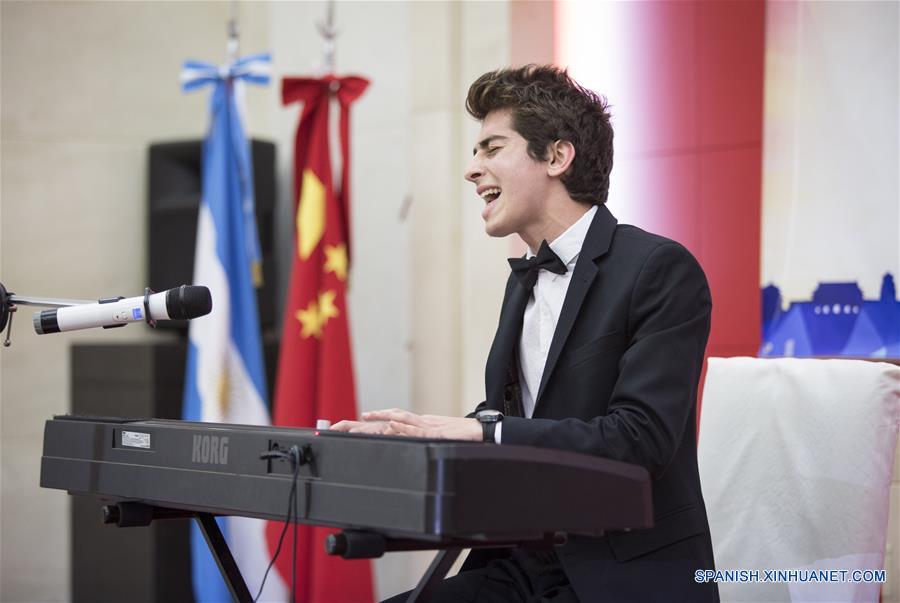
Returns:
(294, 456)
(295, 451)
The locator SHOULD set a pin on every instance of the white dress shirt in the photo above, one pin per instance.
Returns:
(542, 312)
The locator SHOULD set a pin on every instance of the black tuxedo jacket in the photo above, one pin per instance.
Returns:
(621, 382)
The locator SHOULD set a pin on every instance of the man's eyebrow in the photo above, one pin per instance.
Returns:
(487, 141)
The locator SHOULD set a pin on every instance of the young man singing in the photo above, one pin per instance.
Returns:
(598, 349)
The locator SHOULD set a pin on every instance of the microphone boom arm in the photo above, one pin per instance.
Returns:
(9, 301)
(47, 302)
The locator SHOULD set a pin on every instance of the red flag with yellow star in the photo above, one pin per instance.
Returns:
(315, 368)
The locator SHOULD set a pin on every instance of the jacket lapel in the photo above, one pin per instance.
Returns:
(596, 244)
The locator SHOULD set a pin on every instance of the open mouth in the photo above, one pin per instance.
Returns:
(490, 195)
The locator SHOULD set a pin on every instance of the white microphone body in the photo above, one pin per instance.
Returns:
(180, 303)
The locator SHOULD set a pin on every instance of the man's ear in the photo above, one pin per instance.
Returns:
(562, 154)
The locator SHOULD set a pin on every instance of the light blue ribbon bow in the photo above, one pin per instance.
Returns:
(226, 118)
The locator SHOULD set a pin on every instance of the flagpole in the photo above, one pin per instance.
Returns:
(233, 43)
(329, 33)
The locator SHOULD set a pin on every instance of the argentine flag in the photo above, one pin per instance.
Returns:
(225, 381)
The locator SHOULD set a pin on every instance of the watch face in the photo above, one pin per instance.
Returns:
(489, 416)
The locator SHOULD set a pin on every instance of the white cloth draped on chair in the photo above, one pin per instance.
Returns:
(796, 457)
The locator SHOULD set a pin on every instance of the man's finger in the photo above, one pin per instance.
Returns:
(401, 416)
(368, 429)
(384, 410)
(375, 415)
(345, 425)
(406, 429)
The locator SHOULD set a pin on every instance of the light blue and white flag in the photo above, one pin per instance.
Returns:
(225, 381)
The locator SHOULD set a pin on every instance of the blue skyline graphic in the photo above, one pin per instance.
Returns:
(837, 321)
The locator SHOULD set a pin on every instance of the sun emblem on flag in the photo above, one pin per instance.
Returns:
(223, 392)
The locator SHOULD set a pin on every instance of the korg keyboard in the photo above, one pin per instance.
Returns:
(400, 493)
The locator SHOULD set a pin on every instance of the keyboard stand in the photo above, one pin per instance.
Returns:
(434, 575)
(224, 559)
(353, 544)
(349, 544)
(133, 514)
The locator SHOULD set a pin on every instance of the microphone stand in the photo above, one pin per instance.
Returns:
(9, 301)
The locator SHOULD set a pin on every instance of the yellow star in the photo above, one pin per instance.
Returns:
(309, 319)
(317, 314)
(327, 309)
(336, 260)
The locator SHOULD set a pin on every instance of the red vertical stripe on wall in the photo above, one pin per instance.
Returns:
(730, 47)
(689, 141)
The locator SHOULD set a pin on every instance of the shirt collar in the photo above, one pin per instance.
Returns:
(568, 245)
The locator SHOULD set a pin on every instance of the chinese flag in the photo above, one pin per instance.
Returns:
(315, 369)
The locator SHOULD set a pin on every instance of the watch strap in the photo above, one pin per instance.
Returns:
(488, 428)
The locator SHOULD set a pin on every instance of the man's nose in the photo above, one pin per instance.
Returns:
(474, 172)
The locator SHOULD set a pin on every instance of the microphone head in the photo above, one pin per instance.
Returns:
(188, 301)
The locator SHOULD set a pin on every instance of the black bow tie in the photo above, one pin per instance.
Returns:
(527, 270)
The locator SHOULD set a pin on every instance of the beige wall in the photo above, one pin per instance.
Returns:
(87, 85)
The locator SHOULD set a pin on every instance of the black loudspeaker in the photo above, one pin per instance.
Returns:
(175, 187)
(142, 564)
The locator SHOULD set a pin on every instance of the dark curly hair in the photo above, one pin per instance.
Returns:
(547, 105)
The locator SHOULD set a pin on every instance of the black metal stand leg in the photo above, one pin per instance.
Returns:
(433, 576)
(222, 554)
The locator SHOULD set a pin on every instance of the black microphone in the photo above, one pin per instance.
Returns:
(181, 303)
